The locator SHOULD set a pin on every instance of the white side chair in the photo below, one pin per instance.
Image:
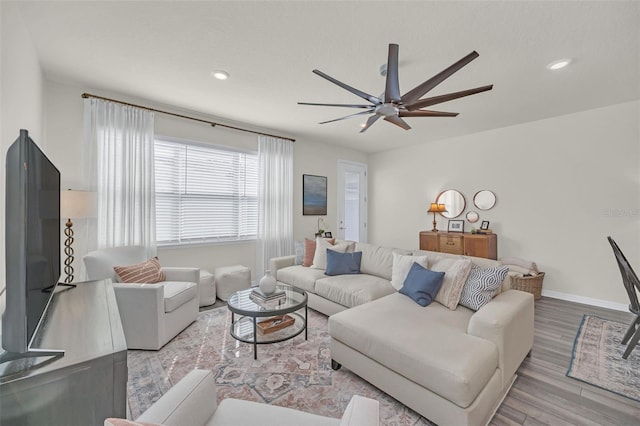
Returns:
(193, 401)
(151, 314)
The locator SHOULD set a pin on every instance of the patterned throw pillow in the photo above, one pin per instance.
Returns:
(481, 286)
(145, 272)
(456, 273)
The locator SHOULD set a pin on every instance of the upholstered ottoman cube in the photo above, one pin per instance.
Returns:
(230, 279)
(206, 289)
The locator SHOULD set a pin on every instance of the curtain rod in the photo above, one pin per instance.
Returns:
(212, 123)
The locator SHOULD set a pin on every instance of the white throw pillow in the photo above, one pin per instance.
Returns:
(401, 267)
(320, 256)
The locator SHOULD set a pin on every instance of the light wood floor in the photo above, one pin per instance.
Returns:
(542, 394)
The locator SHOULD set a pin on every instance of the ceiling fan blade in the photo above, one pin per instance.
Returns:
(427, 113)
(392, 88)
(353, 90)
(397, 121)
(416, 93)
(346, 116)
(337, 105)
(370, 121)
(448, 97)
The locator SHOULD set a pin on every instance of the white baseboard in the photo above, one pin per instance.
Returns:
(586, 300)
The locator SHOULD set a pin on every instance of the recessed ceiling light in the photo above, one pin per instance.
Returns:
(220, 74)
(559, 64)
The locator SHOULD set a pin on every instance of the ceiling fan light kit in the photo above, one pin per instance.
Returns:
(391, 105)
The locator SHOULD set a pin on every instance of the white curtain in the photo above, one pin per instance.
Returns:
(120, 168)
(275, 201)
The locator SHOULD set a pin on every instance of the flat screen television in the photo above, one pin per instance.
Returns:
(32, 245)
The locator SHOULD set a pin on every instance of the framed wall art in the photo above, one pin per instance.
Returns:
(456, 226)
(314, 195)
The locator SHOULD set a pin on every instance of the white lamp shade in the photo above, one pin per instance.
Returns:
(77, 204)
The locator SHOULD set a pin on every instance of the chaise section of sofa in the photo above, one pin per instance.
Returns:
(454, 367)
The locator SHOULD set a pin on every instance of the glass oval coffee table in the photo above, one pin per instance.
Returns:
(247, 328)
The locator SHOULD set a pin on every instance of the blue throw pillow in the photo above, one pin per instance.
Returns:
(343, 263)
(422, 284)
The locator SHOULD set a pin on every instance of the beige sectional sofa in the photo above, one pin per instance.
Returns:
(453, 366)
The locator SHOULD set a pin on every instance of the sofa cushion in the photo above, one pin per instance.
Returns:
(149, 272)
(353, 290)
(322, 245)
(456, 272)
(481, 286)
(300, 276)
(177, 293)
(439, 355)
(343, 263)
(422, 285)
(402, 264)
(377, 260)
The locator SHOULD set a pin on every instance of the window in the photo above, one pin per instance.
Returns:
(204, 193)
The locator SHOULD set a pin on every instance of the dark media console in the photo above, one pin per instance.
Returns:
(87, 384)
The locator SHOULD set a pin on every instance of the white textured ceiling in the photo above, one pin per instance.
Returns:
(165, 52)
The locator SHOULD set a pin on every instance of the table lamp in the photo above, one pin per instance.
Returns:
(74, 205)
(436, 208)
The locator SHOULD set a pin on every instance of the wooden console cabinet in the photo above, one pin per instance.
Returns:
(460, 243)
(87, 384)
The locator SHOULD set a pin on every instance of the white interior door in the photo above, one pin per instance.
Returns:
(352, 201)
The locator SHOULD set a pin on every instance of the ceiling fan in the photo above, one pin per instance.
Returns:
(392, 106)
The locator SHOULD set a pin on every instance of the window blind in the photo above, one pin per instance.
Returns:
(204, 194)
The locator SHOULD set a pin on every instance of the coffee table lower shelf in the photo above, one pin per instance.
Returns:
(245, 330)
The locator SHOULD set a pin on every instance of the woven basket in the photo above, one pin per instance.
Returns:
(531, 285)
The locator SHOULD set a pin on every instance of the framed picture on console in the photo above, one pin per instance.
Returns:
(328, 235)
(456, 226)
(485, 225)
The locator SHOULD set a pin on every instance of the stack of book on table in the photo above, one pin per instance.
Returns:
(272, 300)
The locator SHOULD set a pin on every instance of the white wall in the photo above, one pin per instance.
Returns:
(563, 185)
(20, 98)
(64, 109)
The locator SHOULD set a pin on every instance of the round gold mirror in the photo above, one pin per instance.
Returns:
(484, 200)
(472, 217)
(454, 202)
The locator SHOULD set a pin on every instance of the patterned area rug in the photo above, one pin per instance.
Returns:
(296, 373)
(597, 358)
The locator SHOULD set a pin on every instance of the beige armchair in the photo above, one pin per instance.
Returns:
(151, 314)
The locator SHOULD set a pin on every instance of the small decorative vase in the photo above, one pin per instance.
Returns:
(267, 283)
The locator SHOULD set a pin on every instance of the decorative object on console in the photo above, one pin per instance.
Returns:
(484, 200)
(328, 235)
(436, 208)
(485, 225)
(454, 202)
(321, 226)
(314, 195)
(472, 217)
(74, 205)
(456, 226)
(267, 283)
